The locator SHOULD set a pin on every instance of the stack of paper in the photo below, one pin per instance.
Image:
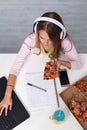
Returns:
(39, 98)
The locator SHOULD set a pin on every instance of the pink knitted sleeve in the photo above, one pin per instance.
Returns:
(25, 50)
(20, 59)
(71, 53)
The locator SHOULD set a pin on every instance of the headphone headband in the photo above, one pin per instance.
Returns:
(63, 32)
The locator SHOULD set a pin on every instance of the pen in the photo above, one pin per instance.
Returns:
(37, 87)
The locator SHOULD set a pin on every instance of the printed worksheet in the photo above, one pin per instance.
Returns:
(40, 92)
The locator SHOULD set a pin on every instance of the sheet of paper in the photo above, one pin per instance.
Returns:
(37, 98)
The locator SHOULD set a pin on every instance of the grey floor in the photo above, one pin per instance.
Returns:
(16, 18)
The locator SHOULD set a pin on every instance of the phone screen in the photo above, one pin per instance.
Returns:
(63, 77)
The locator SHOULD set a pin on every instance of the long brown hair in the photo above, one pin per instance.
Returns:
(53, 32)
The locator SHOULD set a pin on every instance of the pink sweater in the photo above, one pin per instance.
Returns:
(28, 48)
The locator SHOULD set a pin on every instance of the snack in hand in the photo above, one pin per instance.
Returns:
(51, 70)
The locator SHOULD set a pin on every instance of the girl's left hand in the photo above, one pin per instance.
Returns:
(58, 64)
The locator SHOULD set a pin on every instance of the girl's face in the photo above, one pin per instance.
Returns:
(45, 40)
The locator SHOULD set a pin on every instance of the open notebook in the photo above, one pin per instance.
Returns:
(39, 99)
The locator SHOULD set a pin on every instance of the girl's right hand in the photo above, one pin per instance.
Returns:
(5, 104)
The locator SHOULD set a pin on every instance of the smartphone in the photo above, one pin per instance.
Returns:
(63, 77)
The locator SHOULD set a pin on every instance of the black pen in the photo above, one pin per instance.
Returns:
(37, 87)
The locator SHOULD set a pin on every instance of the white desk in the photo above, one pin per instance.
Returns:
(39, 120)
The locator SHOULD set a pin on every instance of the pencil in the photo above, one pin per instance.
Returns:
(37, 87)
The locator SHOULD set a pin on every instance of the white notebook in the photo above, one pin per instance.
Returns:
(39, 99)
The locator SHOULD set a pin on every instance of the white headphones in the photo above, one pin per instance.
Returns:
(63, 32)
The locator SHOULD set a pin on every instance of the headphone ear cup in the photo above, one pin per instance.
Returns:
(62, 35)
(35, 27)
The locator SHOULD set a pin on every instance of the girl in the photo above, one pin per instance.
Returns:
(49, 37)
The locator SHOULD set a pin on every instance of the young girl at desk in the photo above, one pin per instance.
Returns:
(49, 37)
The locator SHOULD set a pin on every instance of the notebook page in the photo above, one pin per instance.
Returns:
(37, 98)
